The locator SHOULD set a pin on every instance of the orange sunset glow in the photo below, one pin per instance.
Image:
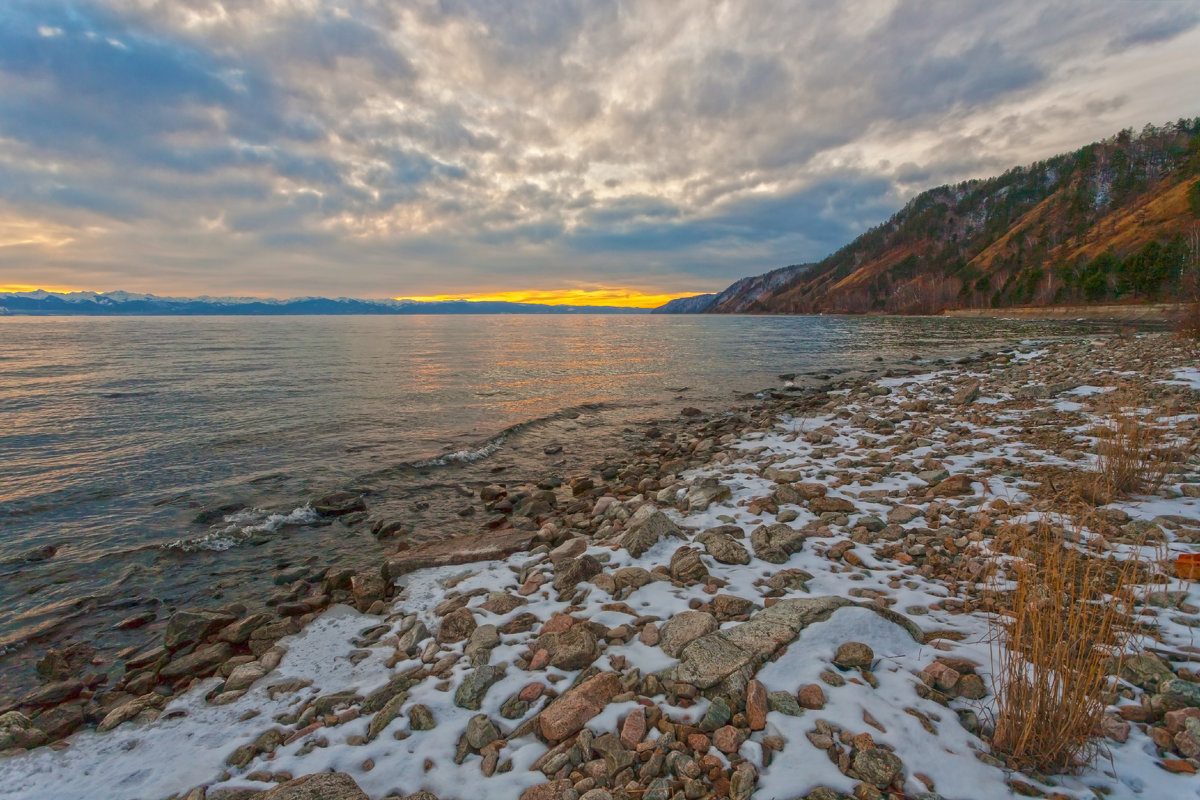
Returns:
(622, 298)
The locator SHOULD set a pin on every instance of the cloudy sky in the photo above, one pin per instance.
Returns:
(377, 148)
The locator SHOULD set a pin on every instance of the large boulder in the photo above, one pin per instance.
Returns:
(726, 660)
(645, 528)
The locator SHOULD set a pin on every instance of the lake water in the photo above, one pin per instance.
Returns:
(116, 433)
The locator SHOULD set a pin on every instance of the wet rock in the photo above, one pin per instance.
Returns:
(243, 676)
(723, 547)
(16, 730)
(187, 627)
(683, 628)
(318, 786)
(774, 543)
(198, 663)
(130, 709)
(574, 648)
(239, 632)
(53, 693)
(366, 588)
(458, 550)
(568, 713)
(645, 528)
(687, 567)
(335, 504)
(60, 721)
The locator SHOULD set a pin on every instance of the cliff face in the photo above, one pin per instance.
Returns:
(1117, 220)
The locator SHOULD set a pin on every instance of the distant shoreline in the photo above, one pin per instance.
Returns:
(1151, 312)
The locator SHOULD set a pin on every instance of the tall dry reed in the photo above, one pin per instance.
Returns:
(1065, 620)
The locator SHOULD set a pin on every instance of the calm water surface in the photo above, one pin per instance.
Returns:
(116, 433)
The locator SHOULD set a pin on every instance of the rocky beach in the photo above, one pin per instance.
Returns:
(792, 598)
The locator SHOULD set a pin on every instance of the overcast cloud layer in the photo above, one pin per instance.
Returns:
(377, 148)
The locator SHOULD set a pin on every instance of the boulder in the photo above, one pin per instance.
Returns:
(684, 628)
(721, 545)
(571, 571)
(336, 504)
(687, 567)
(574, 648)
(199, 663)
(645, 528)
(725, 661)
(190, 626)
(318, 786)
(775, 543)
(570, 712)
(456, 626)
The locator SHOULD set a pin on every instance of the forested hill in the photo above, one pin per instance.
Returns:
(1116, 220)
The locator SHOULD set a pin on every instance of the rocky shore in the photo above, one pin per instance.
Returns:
(788, 599)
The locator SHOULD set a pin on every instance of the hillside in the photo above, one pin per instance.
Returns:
(1115, 221)
(744, 296)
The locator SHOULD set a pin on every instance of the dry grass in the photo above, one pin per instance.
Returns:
(1066, 619)
(1133, 454)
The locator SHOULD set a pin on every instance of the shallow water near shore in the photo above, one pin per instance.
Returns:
(148, 464)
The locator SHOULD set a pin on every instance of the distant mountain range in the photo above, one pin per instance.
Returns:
(1115, 221)
(43, 303)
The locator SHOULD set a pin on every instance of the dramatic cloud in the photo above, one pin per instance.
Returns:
(368, 148)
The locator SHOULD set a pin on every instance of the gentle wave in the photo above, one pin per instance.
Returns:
(491, 447)
(242, 528)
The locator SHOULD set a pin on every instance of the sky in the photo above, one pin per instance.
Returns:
(585, 150)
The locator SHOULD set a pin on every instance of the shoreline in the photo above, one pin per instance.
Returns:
(1142, 314)
(577, 527)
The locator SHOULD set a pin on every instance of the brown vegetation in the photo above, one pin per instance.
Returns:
(1065, 621)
